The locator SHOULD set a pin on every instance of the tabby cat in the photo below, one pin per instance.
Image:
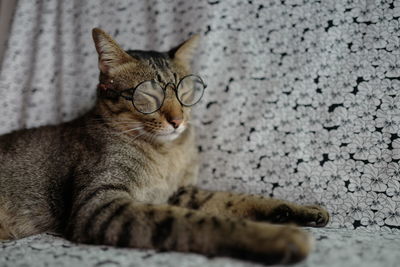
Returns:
(124, 174)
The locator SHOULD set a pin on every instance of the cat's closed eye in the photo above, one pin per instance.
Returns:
(148, 96)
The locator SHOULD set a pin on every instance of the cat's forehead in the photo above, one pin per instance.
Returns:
(157, 60)
(159, 64)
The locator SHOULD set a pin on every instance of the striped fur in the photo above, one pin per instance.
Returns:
(118, 177)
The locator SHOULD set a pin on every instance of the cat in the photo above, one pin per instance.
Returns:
(124, 173)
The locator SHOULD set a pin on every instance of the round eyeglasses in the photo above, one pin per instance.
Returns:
(148, 96)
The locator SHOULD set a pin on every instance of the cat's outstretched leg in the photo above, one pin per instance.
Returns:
(252, 207)
(122, 222)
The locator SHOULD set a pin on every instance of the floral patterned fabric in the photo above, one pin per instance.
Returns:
(333, 248)
(303, 101)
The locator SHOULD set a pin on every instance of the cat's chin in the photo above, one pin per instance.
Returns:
(168, 137)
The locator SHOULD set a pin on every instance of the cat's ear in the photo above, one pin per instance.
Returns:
(111, 55)
(185, 52)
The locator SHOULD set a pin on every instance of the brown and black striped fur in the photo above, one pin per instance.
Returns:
(121, 178)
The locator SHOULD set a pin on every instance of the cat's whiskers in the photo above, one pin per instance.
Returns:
(152, 137)
(130, 130)
(122, 121)
(125, 123)
(152, 127)
(136, 137)
(115, 123)
(111, 119)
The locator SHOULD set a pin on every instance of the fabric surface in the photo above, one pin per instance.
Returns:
(303, 96)
(334, 248)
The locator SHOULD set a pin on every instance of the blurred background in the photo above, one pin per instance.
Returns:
(7, 8)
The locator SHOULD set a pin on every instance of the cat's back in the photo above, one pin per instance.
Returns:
(31, 150)
(26, 144)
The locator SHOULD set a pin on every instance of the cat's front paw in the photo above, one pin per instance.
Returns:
(294, 243)
(271, 244)
(315, 216)
(289, 245)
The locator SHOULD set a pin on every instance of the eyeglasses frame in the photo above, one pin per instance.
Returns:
(164, 88)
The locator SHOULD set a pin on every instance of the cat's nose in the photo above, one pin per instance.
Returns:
(175, 122)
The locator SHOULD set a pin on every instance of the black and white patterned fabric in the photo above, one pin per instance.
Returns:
(334, 248)
(303, 97)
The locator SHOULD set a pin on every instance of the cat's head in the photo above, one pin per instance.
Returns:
(133, 84)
